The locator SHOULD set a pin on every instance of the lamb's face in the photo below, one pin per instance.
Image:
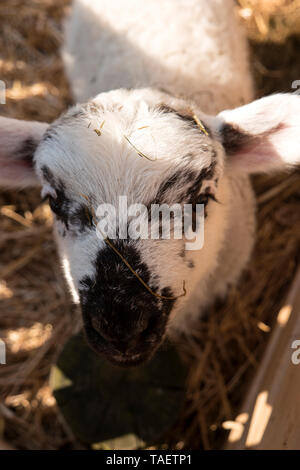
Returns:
(127, 148)
(147, 147)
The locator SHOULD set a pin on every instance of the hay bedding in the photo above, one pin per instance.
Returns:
(36, 314)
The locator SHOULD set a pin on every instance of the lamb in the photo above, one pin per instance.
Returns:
(165, 120)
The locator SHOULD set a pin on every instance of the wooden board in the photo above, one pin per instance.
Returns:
(270, 415)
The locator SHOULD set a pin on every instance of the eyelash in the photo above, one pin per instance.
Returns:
(206, 197)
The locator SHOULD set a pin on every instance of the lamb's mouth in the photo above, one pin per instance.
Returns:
(104, 348)
(131, 361)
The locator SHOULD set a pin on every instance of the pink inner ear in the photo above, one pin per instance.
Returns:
(262, 152)
(261, 157)
(20, 164)
(270, 134)
(17, 146)
(17, 174)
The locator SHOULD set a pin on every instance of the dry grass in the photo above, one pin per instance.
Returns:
(36, 315)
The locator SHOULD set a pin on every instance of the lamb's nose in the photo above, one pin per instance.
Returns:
(122, 341)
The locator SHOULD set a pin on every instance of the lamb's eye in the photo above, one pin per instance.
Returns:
(201, 199)
(204, 198)
(54, 204)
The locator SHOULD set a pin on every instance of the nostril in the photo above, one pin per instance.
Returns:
(144, 333)
(150, 331)
(96, 324)
(99, 327)
(113, 337)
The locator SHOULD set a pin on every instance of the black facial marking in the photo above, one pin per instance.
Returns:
(194, 189)
(61, 205)
(49, 177)
(75, 216)
(82, 217)
(115, 278)
(185, 187)
(121, 317)
(187, 183)
(177, 178)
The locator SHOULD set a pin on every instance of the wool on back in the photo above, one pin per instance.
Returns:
(191, 48)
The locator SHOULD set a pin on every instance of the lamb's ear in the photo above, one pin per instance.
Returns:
(18, 141)
(262, 136)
